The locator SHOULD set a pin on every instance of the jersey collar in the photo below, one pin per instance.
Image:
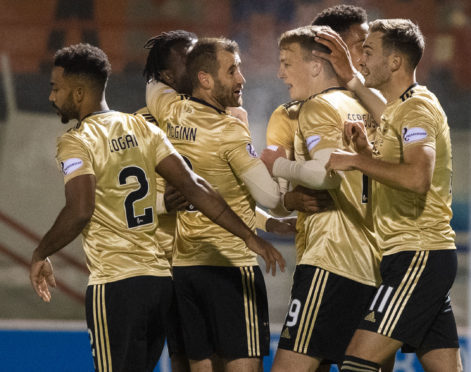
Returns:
(207, 104)
(408, 92)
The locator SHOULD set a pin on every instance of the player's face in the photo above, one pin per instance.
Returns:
(354, 37)
(374, 63)
(177, 60)
(61, 96)
(229, 82)
(295, 71)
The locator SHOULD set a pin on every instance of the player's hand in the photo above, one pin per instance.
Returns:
(42, 276)
(174, 199)
(282, 226)
(339, 57)
(240, 113)
(341, 160)
(270, 254)
(355, 132)
(307, 200)
(270, 154)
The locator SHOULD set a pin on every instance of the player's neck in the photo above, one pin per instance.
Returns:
(93, 106)
(205, 95)
(397, 85)
(323, 83)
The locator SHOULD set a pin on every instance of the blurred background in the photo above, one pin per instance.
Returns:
(31, 187)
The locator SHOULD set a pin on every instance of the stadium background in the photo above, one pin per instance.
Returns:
(52, 337)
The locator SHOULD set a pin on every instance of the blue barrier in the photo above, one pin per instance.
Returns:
(69, 351)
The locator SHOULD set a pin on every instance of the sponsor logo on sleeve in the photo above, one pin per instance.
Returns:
(71, 165)
(251, 150)
(415, 134)
(312, 142)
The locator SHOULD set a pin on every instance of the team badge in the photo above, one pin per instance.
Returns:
(413, 134)
(312, 142)
(251, 150)
(71, 165)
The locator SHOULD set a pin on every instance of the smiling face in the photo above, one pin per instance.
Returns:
(374, 63)
(61, 95)
(354, 37)
(295, 71)
(229, 82)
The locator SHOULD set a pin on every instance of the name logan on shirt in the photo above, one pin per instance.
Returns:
(181, 133)
(123, 143)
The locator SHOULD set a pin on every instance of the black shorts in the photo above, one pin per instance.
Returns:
(413, 304)
(325, 310)
(223, 310)
(127, 322)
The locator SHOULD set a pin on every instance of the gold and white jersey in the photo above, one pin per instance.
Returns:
(121, 151)
(281, 131)
(405, 220)
(341, 240)
(165, 231)
(282, 127)
(217, 147)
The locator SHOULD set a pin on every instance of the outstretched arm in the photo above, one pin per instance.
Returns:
(201, 194)
(78, 209)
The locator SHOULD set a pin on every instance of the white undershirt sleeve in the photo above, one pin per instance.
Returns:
(311, 174)
(262, 187)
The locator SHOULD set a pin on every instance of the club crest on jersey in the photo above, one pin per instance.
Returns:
(251, 150)
(413, 134)
(312, 142)
(71, 165)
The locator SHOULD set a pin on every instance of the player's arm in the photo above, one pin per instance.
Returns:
(201, 194)
(414, 173)
(279, 226)
(342, 63)
(170, 201)
(311, 173)
(78, 209)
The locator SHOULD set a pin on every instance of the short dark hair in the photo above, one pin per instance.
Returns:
(305, 37)
(401, 35)
(84, 60)
(160, 46)
(341, 17)
(203, 56)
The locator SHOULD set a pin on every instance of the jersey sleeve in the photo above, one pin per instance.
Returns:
(159, 98)
(319, 125)
(418, 124)
(163, 147)
(281, 128)
(237, 148)
(73, 157)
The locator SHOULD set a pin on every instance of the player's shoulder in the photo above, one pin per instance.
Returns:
(288, 110)
(417, 98)
(145, 113)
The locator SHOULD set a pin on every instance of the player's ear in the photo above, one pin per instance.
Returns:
(315, 66)
(78, 94)
(395, 61)
(167, 77)
(205, 79)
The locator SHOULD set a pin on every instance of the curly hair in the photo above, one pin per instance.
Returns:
(84, 60)
(340, 17)
(160, 46)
